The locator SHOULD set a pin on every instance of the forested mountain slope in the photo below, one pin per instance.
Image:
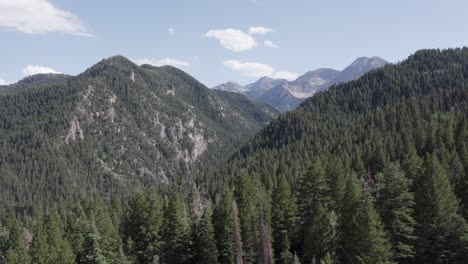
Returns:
(402, 132)
(371, 171)
(115, 127)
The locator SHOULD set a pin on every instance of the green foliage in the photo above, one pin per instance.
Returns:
(91, 252)
(283, 214)
(325, 177)
(441, 230)
(395, 203)
(175, 233)
(246, 196)
(223, 222)
(362, 238)
(205, 244)
(141, 227)
(104, 132)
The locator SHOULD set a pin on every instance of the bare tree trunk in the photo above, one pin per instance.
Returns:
(237, 235)
(264, 256)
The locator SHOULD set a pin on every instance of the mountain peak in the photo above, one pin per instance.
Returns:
(231, 86)
(111, 64)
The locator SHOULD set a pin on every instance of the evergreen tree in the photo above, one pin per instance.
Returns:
(205, 246)
(60, 251)
(223, 222)
(91, 252)
(283, 221)
(39, 247)
(441, 230)
(246, 199)
(314, 203)
(175, 233)
(395, 203)
(16, 252)
(141, 227)
(361, 237)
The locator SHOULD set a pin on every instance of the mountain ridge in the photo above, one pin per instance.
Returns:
(289, 94)
(118, 125)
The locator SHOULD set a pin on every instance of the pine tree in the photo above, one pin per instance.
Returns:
(440, 229)
(246, 199)
(283, 221)
(60, 251)
(91, 252)
(314, 203)
(16, 252)
(175, 233)
(39, 247)
(141, 226)
(361, 237)
(205, 246)
(223, 222)
(110, 241)
(395, 203)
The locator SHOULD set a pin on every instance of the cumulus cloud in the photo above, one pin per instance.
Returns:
(259, 30)
(171, 31)
(250, 69)
(232, 39)
(257, 70)
(39, 17)
(285, 75)
(162, 62)
(33, 69)
(270, 44)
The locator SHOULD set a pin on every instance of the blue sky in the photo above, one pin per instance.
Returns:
(221, 40)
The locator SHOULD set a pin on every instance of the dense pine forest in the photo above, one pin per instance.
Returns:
(371, 171)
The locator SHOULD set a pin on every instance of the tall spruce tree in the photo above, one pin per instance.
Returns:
(246, 199)
(60, 251)
(441, 230)
(361, 238)
(314, 204)
(283, 221)
(16, 252)
(395, 204)
(205, 244)
(91, 252)
(39, 247)
(223, 222)
(175, 233)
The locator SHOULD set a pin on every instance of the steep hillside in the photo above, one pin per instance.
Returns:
(115, 127)
(395, 140)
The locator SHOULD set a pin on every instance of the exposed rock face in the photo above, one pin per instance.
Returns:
(145, 129)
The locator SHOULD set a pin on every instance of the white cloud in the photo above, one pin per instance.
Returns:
(232, 39)
(39, 17)
(171, 31)
(162, 62)
(3, 82)
(33, 69)
(285, 75)
(257, 70)
(259, 30)
(270, 44)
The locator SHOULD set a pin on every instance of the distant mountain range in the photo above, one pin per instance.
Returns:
(286, 95)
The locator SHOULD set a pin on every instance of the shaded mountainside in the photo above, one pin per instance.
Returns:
(116, 127)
